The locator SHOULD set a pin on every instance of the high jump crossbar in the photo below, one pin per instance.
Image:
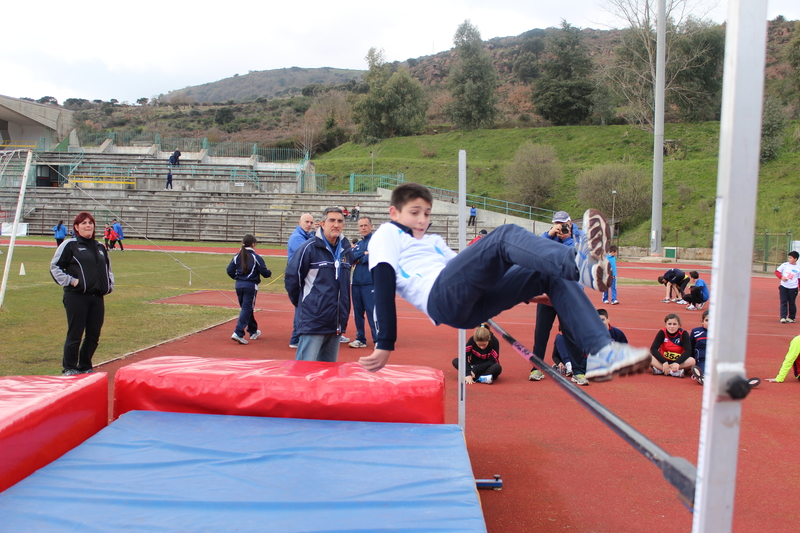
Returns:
(679, 472)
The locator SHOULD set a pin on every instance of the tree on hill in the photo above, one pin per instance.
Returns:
(395, 104)
(532, 177)
(563, 95)
(694, 52)
(472, 81)
(632, 201)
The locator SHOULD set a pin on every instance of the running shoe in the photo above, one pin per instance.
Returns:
(657, 371)
(594, 270)
(697, 374)
(344, 339)
(237, 338)
(357, 344)
(536, 375)
(580, 379)
(616, 358)
(254, 336)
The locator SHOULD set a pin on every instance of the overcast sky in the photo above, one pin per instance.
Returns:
(127, 50)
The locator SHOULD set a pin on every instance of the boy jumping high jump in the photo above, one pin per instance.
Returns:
(508, 266)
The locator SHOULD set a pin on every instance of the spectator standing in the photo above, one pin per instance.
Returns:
(563, 232)
(317, 280)
(59, 232)
(83, 268)
(246, 268)
(169, 180)
(612, 290)
(788, 274)
(473, 213)
(301, 234)
(117, 227)
(363, 293)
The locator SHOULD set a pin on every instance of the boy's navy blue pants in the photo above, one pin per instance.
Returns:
(364, 303)
(788, 306)
(509, 266)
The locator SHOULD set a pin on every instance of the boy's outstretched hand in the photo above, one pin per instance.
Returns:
(376, 360)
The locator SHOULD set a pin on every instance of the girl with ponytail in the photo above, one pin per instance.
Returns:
(247, 268)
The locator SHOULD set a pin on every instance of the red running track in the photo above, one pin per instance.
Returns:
(563, 469)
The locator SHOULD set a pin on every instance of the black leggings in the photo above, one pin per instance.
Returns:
(489, 368)
(85, 313)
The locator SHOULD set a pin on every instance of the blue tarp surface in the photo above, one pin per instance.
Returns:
(174, 472)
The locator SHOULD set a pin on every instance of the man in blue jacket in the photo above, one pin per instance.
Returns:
(317, 280)
(300, 235)
(363, 293)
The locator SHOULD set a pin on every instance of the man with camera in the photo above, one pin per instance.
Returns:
(563, 231)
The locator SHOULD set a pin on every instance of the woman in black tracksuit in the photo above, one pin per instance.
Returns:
(82, 267)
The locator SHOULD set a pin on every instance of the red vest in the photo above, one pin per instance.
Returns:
(672, 348)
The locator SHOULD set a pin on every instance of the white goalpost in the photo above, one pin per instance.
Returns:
(15, 226)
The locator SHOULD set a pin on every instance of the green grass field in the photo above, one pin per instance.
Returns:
(690, 171)
(33, 322)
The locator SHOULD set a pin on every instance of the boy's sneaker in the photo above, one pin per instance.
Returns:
(616, 358)
(237, 338)
(568, 369)
(357, 344)
(254, 336)
(697, 374)
(784, 320)
(666, 301)
(677, 374)
(615, 302)
(681, 302)
(657, 372)
(71, 372)
(594, 270)
(691, 307)
(701, 305)
(536, 375)
(485, 379)
(292, 345)
(580, 379)
(344, 339)
(790, 321)
(605, 302)
(753, 382)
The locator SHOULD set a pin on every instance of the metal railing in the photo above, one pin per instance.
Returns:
(371, 182)
(771, 249)
(194, 144)
(492, 204)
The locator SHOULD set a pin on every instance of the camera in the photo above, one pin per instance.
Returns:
(565, 228)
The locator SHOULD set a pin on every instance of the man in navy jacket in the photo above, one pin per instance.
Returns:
(317, 280)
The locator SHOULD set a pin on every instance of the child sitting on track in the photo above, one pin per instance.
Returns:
(671, 350)
(483, 356)
(790, 362)
(508, 266)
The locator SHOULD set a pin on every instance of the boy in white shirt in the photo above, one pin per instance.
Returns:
(508, 266)
(788, 273)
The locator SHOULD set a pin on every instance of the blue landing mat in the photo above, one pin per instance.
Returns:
(174, 472)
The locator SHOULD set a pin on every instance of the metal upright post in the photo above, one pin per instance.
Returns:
(15, 225)
(462, 243)
(737, 187)
(658, 126)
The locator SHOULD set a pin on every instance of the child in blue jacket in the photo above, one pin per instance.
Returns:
(246, 268)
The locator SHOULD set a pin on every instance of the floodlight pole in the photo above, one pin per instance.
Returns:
(737, 187)
(658, 127)
(14, 227)
(462, 243)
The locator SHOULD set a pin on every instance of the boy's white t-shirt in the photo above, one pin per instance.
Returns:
(791, 272)
(416, 262)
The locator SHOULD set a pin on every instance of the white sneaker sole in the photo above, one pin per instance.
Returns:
(622, 368)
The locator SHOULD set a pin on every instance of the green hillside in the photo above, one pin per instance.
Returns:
(690, 171)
